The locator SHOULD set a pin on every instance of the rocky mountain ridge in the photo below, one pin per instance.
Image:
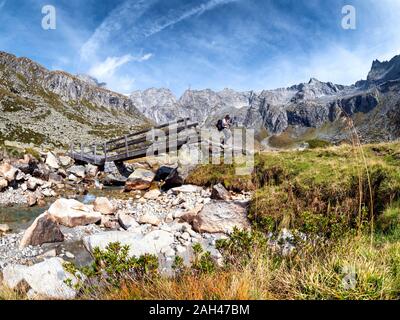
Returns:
(54, 108)
(309, 110)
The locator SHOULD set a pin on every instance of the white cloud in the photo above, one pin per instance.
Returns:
(106, 71)
(109, 66)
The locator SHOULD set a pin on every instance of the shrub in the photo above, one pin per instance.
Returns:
(114, 265)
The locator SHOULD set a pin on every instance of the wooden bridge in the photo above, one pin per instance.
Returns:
(153, 141)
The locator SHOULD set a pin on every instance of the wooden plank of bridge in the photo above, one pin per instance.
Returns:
(126, 142)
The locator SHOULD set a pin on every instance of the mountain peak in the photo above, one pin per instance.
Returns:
(385, 71)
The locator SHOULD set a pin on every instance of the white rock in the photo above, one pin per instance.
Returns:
(72, 213)
(46, 279)
(8, 171)
(187, 188)
(3, 184)
(52, 161)
(103, 205)
(152, 243)
(127, 221)
(78, 171)
(150, 219)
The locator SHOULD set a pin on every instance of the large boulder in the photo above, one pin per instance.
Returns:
(46, 279)
(103, 205)
(52, 161)
(44, 229)
(151, 243)
(78, 171)
(221, 217)
(220, 193)
(140, 179)
(72, 213)
(8, 172)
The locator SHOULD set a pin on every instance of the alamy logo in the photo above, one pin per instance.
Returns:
(49, 21)
(349, 21)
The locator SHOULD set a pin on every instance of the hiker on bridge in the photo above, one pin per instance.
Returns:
(224, 126)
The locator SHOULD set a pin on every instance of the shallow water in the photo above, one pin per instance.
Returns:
(21, 217)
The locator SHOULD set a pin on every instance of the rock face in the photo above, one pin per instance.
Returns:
(44, 229)
(52, 107)
(293, 110)
(140, 179)
(221, 216)
(46, 279)
(72, 213)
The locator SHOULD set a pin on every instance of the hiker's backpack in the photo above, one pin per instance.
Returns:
(220, 126)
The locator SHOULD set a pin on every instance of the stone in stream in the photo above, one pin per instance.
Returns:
(140, 179)
(8, 172)
(220, 193)
(72, 213)
(46, 279)
(52, 161)
(221, 217)
(103, 205)
(44, 229)
(151, 243)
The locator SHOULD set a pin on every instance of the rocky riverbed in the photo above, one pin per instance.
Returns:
(153, 212)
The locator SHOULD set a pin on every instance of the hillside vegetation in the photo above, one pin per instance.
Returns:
(342, 206)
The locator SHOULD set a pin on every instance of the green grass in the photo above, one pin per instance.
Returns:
(331, 186)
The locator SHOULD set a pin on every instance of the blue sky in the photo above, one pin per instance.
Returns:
(216, 44)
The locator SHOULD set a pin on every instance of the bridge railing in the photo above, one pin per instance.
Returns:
(135, 144)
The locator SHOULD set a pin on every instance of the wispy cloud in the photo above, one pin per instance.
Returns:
(196, 11)
(124, 18)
